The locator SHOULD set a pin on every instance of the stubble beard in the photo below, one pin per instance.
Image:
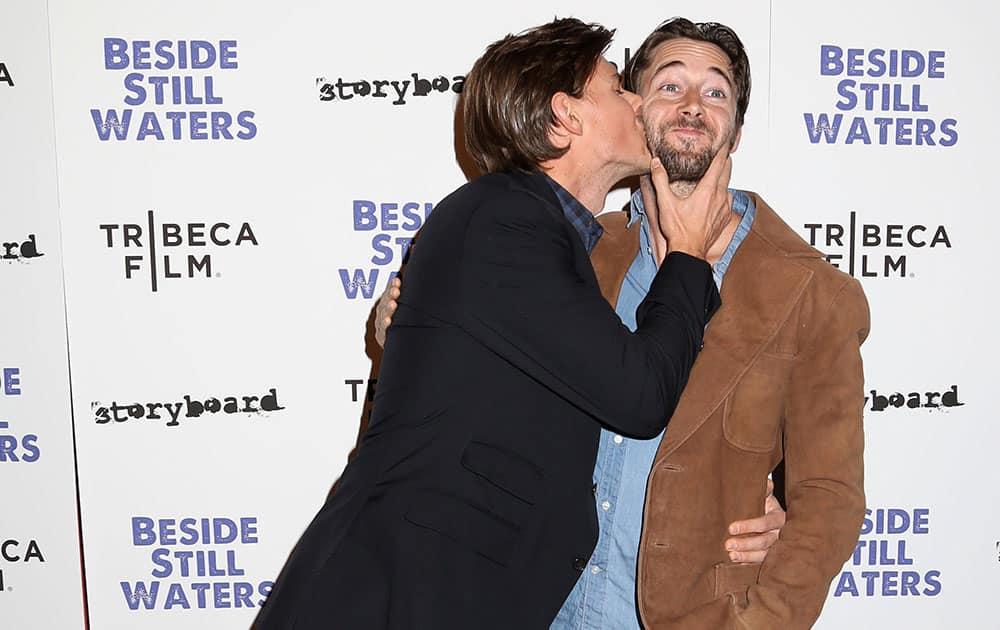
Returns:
(685, 163)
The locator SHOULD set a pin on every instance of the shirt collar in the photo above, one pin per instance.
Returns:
(743, 205)
(576, 213)
(741, 201)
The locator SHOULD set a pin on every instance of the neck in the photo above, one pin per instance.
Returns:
(591, 189)
(683, 189)
(718, 248)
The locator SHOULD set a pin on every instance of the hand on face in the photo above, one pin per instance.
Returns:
(692, 224)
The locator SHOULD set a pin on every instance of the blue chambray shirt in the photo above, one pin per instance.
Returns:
(604, 597)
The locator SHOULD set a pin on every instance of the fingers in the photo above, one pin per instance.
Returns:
(386, 307)
(661, 181)
(771, 505)
(718, 171)
(772, 521)
(750, 548)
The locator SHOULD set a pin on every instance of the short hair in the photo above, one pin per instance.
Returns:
(507, 96)
(711, 32)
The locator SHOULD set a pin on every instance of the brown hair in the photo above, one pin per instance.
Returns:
(508, 93)
(711, 32)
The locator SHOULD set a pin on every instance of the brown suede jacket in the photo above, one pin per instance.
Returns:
(780, 376)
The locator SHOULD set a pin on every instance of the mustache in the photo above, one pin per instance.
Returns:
(687, 123)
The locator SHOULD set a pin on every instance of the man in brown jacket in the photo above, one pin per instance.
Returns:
(779, 378)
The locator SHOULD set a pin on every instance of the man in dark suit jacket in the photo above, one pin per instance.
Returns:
(469, 501)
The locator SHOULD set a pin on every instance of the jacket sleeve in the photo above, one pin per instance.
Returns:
(824, 469)
(528, 300)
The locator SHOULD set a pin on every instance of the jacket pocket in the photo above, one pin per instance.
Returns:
(754, 411)
(467, 524)
(504, 469)
(735, 577)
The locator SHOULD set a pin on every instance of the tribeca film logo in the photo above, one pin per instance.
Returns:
(5, 75)
(945, 400)
(873, 250)
(15, 447)
(883, 564)
(173, 76)
(396, 89)
(14, 551)
(20, 251)
(884, 89)
(195, 564)
(144, 241)
(172, 413)
(393, 226)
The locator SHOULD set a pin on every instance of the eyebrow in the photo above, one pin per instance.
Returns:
(678, 62)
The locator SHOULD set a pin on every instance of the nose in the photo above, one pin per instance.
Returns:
(634, 100)
(691, 104)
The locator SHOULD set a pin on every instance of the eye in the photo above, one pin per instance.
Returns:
(670, 87)
(716, 93)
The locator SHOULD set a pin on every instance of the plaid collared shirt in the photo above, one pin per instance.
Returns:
(583, 220)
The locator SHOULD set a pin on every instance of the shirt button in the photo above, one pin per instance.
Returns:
(606, 506)
(619, 439)
(580, 564)
(595, 569)
(594, 489)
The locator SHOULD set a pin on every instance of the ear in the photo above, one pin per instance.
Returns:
(736, 140)
(567, 121)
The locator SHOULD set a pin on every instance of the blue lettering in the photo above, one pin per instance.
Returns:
(245, 120)
(850, 98)
(821, 126)
(166, 58)
(132, 84)
(147, 595)
(11, 381)
(142, 531)
(380, 243)
(830, 63)
(248, 530)
(358, 281)
(364, 215)
(110, 121)
(948, 129)
(227, 54)
(846, 584)
(933, 582)
(115, 57)
(150, 126)
(176, 597)
(877, 68)
(140, 54)
(161, 559)
(31, 451)
(935, 64)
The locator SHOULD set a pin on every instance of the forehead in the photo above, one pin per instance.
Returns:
(604, 70)
(693, 54)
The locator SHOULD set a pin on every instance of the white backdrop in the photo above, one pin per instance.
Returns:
(210, 275)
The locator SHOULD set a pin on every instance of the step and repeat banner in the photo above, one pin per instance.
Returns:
(40, 563)
(203, 200)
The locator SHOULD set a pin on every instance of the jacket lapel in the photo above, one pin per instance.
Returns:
(614, 253)
(761, 287)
